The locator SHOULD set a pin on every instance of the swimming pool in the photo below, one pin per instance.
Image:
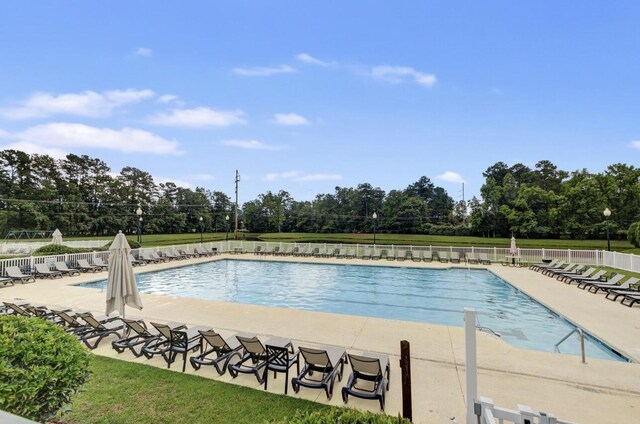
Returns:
(411, 294)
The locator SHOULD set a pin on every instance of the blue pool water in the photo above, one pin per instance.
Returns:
(411, 294)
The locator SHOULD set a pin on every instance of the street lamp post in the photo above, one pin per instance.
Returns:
(201, 229)
(139, 214)
(375, 218)
(226, 218)
(607, 214)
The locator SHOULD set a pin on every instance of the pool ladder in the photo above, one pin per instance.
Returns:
(581, 333)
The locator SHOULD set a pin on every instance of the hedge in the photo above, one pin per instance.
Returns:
(341, 416)
(41, 366)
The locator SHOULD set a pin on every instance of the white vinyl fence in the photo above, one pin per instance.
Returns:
(491, 414)
(622, 261)
(24, 248)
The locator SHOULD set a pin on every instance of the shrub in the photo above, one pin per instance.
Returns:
(341, 416)
(41, 366)
(57, 249)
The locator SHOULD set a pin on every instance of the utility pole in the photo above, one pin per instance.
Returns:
(235, 232)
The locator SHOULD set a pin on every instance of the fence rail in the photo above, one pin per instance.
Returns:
(491, 414)
(622, 261)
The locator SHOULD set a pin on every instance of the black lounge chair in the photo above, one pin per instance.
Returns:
(606, 287)
(427, 256)
(328, 362)
(401, 255)
(342, 254)
(471, 258)
(418, 256)
(42, 270)
(384, 254)
(6, 281)
(15, 274)
(443, 256)
(185, 253)
(614, 294)
(98, 330)
(70, 322)
(484, 259)
(633, 298)
(613, 280)
(257, 251)
(254, 358)
(287, 251)
(579, 269)
(85, 266)
(181, 340)
(137, 334)
(551, 264)
(391, 257)
(280, 359)
(351, 254)
(368, 368)
(564, 268)
(568, 275)
(64, 269)
(299, 252)
(595, 277)
(100, 263)
(455, 257)
(136, 262)
(220, 351)
(376, 254)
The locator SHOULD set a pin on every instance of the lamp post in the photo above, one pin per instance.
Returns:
(201, 229)
(139, 214)
(607, 214)
(226, 218)
(375, 218)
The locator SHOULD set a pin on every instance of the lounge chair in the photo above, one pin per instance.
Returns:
(443, 256)
(575, 271)
(180, 340)
(201, 251)
(427, 256)
(70, 322)
(85, 266)
(376, 255)
(97, 261)
(455, 257)
(280, 359)
(368, 367)
(161, 256)
(17, 309)
(148, 258)
(136, 262)
(6, 281)
(616, 293)
(138, 334)
(566, 269)
(366, 254)
(484, 259)
(98, 330)
(254, 357)
(65, 270)
(268, 251)
(595, 277)
(185, 253)
(257, 251)
(42, 270)
(288, 251)
(401, 255)
(472, 258)
(328, 361)
(558, 264)
(418, 256)
(342, 253)
(613, 280)
(297, 251)
(568, 275)
(220, 351)
(606, 287)
(351, 254)
(550, 264)
(15, 274)
(330, 253)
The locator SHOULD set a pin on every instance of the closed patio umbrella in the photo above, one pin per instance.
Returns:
(121, 284)
(56, 237)
(513, 250)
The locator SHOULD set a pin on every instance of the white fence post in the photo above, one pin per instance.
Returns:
(470, 362)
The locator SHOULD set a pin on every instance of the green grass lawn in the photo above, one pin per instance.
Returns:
(407, 239)
(129, 393)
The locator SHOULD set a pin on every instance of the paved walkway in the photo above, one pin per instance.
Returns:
(600, 391)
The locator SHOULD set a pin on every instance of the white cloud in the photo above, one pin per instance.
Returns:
(178, 182)
(635, 144)
(290, 119)
(199, 117)
(264, 72)
(31, 148)
(144, 52)
(298, 176)
(62, 136)
(251, 145)
(303, 57)
(451, 177)
(88, 103)
(397, 74)
(167, 98)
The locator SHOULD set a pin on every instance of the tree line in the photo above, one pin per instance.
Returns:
(81, 196)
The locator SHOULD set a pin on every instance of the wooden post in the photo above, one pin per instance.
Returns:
(405, 365)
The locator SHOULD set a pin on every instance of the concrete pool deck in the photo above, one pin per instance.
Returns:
(597, 392)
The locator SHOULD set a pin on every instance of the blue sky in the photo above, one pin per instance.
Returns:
(304, 96)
